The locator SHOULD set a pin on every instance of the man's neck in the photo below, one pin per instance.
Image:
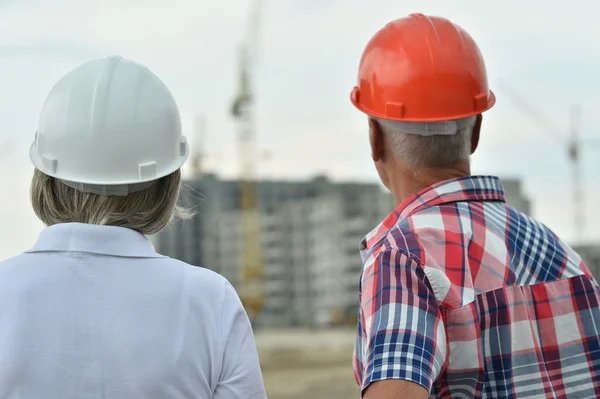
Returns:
(410, 182)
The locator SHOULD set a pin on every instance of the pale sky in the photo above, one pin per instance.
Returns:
(547, 50)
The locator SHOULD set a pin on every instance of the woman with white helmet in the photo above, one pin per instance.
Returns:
(92, 311)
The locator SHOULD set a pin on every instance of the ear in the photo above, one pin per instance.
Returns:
(475, 135)
(377, 141)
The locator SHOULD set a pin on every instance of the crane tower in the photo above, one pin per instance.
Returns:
(573, 144)
(252, 274)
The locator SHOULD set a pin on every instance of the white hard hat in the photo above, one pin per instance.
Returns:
(110, 127)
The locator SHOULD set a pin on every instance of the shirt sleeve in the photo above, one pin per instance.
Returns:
(240, 377)
(404, 335)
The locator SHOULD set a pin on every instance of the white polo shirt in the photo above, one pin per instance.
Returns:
(94, 312)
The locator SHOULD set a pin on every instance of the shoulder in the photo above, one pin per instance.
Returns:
(18, 262)
(532, 236)
(209, 280)
(195, 271)
(401, 241)
(210, 295)
(418, 257)
(209, 286)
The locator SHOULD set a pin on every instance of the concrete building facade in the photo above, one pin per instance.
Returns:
(590, 253)
(310, 233)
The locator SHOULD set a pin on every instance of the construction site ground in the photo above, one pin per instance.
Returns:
(314, 364)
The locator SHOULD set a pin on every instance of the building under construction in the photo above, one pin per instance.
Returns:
(299, 222)
(309, 235)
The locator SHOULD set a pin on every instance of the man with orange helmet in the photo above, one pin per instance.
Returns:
(461, 296)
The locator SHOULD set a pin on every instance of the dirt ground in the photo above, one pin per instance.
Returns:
(307, 364)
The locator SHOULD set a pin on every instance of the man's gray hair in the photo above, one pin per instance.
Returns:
(147, 211)
(430, 144)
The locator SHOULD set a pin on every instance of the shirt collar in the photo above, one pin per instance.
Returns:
(102, 240)
(469, 188)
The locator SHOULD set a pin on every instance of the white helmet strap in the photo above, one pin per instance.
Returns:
(106, 191)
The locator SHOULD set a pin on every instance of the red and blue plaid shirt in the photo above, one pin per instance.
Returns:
(470, 298)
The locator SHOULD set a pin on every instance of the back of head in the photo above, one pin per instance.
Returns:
(108, 149)
(423, 80)
(430, 144)
(146, 211)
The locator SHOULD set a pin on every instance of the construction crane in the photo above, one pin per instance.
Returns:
(252, 287)
(573, 145)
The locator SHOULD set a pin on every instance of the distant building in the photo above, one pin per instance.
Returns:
(513, 189)
(590, 253)
(310, 232)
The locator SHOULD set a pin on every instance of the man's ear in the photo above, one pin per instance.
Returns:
(475, 135)
(377, 141)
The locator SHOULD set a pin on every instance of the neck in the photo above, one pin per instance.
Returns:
(409, 182)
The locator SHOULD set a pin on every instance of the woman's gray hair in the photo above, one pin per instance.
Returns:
(147, 211)
(433, 150)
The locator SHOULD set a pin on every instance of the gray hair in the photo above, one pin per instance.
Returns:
(431, 150)
(147, 211)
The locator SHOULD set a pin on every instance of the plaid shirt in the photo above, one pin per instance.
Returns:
(469, 298)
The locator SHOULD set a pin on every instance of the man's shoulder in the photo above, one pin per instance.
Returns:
(530, 231)
(419, 236)
(404, 240)
(451, 241)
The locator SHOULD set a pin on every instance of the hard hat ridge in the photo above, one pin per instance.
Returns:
(422, 69)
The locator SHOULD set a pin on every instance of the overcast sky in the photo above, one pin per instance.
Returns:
(547, 50)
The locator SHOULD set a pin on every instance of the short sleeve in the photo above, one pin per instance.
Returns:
(404, 335)
(240, 377)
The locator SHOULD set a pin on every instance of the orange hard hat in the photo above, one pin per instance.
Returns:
(421, 69)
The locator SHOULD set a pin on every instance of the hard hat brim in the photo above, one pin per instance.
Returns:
(46, 167)
(490, 103)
